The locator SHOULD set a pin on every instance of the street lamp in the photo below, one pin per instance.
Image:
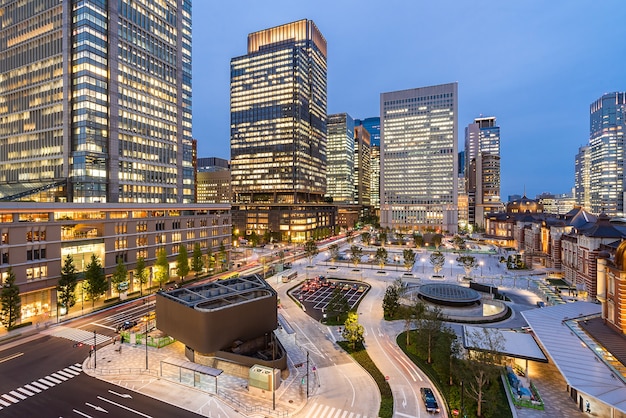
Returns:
(145, 319)
(451, 263)
(423, 264)
(481, 267)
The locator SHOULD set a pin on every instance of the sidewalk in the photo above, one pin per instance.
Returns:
(191, 391)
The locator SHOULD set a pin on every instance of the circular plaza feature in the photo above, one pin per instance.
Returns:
(449, 294)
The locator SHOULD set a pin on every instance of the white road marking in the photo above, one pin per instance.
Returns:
(11, 357)
(124, 407)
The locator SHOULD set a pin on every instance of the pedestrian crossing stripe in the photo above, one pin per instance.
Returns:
(39, 385)
(326, 411)
(78, 335)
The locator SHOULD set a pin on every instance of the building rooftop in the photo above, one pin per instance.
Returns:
(582, 360)
(221, 293)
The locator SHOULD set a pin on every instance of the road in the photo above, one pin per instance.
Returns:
(44, 378)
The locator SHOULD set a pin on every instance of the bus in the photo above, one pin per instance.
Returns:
(289, 277)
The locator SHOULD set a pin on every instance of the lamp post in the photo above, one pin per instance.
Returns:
(481, 267)
(423, 264)
(451, 263)
(145, 319)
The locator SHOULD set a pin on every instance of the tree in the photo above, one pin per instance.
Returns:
(311, 250)
(437, 238)
(418, 240)
(11, 302)
(409, 258)
(210, 259)
(458, 242)
(365, 238)
(196, 259)
(352, 330)
(141, 274)
(349, 237)
(482, 363)
(66, 289)
(120, 276)
(334, 252)
(161, 267)
(281, 257)
(182, 262)
(437, 259)
(391, 300)
(222, 256)
(468, 262)
(381, 257)
(338, 304)
(383, 238)
(355, 255)
(95, 279)
(429, 324)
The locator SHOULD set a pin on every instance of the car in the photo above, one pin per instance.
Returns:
(429, 401)
(345, 287)
(541, 304)
(126, 325)
(361, 289)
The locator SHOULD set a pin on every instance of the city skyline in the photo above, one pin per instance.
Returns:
(528, 65)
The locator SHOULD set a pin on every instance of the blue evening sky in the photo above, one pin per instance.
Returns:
(536, 65)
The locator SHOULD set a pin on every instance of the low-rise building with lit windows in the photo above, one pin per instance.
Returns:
(36, 238)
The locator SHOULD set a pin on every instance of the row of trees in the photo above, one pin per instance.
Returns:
(428, 336)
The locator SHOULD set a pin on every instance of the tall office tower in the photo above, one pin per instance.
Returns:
(362, 166)
(278, 116)
(278, 135)
(340, 158)
(373, 127)
(482, 171)
(606, 143)
(418, 155)
(582, 180)
(95, 101)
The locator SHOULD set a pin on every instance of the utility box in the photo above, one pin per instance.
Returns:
(263, 381)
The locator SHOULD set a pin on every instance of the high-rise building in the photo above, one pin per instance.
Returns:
(213, 180)
(606, 148)
(418, 148)
(482, 171)
(582, 180)
(372, 125)
(95, 101)
(278, 116)
(362, 166)
(340, 158)
(278, 135)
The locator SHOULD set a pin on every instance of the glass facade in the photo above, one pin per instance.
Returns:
(582, 181)
(482, 171)
(278, 116)
(362, 166)
(419, 158)
(372, 125)
(110, 111)
(606, 143)
(341, 158)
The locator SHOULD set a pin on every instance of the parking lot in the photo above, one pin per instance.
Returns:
(315, 293)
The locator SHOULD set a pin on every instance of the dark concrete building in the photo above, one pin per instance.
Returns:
(218, 316)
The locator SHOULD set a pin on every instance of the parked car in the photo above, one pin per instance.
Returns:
(126, 325)
(429, 401)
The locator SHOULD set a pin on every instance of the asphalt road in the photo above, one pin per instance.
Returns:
(84, 396)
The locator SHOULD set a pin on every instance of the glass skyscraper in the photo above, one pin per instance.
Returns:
(482, 171)
(278, 116)
(95, 101)
(418, 153)
(606, 149)
(341, 158)
(372, 125)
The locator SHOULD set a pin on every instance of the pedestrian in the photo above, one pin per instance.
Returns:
(588, 405)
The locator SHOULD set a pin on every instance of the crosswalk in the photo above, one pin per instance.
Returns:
(78, 335)
(39, 385)
(324, 411)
